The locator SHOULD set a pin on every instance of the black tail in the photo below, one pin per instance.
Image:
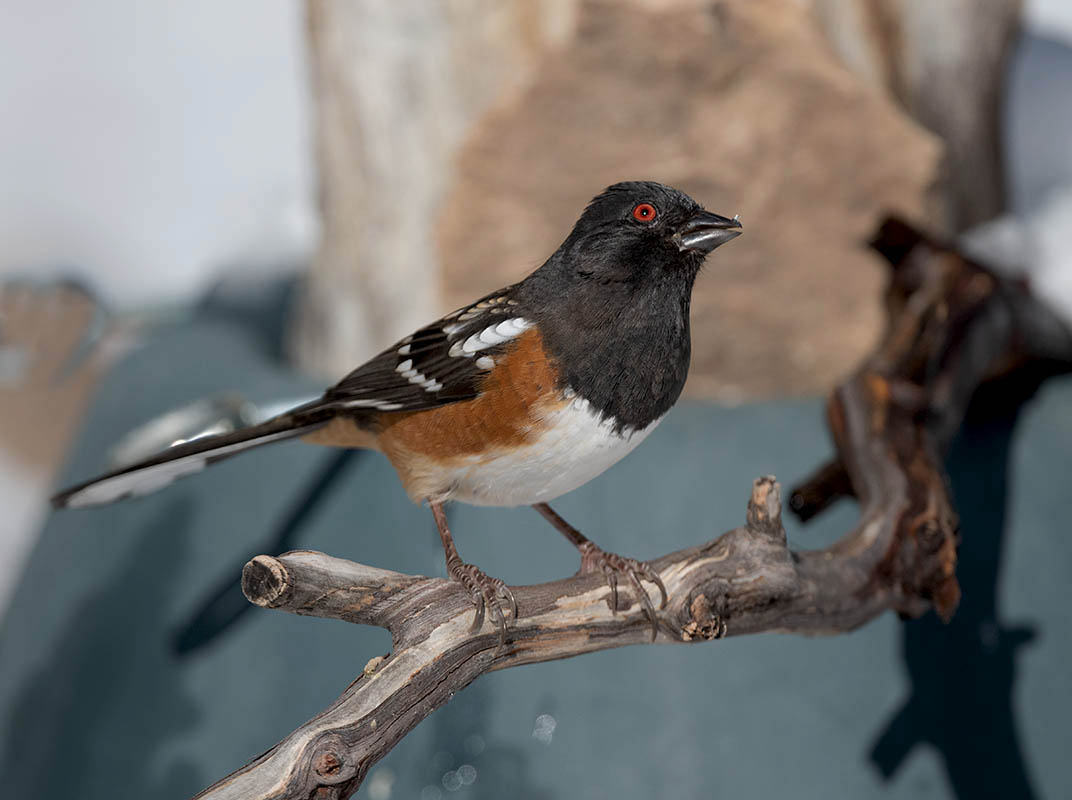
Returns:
(187, 458)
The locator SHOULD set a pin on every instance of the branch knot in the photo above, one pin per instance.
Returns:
(330, 763)
(704, 624)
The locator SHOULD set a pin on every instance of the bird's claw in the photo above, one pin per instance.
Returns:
(593, 559)
(487, 595)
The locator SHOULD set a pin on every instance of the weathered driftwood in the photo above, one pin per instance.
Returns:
(951, 326)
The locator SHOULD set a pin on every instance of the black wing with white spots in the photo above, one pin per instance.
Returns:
(441, 363)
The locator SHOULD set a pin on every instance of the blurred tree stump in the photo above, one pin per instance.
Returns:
(742, 104)
(458, 141)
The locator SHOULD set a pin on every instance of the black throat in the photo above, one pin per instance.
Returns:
(620, 337)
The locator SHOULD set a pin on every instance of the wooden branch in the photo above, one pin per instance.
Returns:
(952, 325)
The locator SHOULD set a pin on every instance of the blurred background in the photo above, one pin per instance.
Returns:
(207, 210)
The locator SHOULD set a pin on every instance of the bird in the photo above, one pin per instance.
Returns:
(517, 398)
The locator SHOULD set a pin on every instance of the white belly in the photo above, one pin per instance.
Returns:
(577, 447)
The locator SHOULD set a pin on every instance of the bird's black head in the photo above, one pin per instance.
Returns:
(612, 303)
(638, 228)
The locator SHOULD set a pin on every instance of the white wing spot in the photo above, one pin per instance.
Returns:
(403, 350)
(485, 362)
(381, 405)
(481, 340)
(404, 366)
(513, 327)
(495, 334)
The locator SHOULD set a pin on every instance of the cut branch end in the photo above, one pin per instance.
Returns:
(265, 582)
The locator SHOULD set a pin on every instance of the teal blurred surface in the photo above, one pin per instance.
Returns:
(95, 702)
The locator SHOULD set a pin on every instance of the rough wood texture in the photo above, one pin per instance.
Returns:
(951, 326)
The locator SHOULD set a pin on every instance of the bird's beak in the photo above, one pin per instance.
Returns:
(706, 231)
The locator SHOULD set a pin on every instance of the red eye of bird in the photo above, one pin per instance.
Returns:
(645, 212)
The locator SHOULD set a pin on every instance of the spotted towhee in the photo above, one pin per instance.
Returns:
(518, 398)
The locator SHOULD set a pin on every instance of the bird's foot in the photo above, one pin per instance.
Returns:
(593, 559)
(487, 594)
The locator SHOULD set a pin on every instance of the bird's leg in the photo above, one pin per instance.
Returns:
(594, 559)
(485, 591)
